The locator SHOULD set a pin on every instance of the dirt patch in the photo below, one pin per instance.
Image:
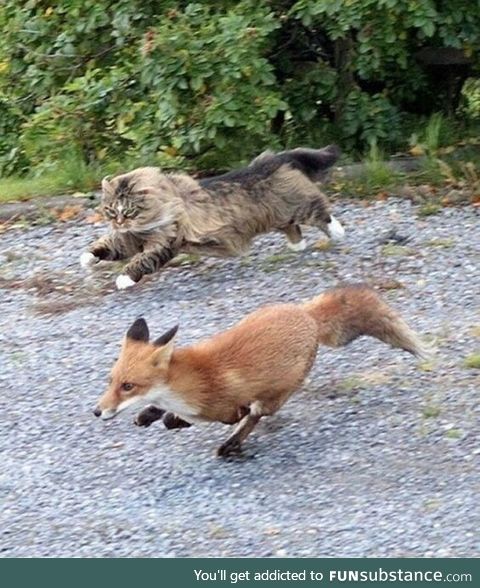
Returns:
(53, 294)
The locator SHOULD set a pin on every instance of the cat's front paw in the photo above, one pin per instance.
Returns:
(87, 259)
(123, 282)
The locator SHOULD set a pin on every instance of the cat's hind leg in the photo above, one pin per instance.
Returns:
(295, 240)
(317, 214)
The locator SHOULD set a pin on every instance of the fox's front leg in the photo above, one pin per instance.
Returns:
(148, 415)
(147, 262)
(151, 413)
(172, 421)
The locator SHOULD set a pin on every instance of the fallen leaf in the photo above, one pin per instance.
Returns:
(93, 218)
(114, 445)
(272, 531)
(68, 213)
(322, 245)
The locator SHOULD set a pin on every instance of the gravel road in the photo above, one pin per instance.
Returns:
(378, 455)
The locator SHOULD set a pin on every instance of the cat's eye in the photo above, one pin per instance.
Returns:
(130, 211)
(127, 386)
(109, 211)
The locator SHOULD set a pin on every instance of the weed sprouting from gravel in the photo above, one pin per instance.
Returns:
(472, 361)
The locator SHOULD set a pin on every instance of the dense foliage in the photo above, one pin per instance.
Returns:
(214, 82)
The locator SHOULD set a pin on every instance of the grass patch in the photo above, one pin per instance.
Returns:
(472, 361)
(433, 130)
(389, 284)
(270, 263)
(475, 331)
(427, 366)
(12, 189)
(442, 243)
(431, 411)
(352, 384)
(321, 245)
(453, 434)
(392, 250)
(71, 175)
(184, 259)
(378, 174)
(428, 209)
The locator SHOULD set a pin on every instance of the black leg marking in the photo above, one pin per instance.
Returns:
(172, 421)
(148, 416)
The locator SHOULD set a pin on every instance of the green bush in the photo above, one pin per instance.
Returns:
(471, 98)
(209, 84)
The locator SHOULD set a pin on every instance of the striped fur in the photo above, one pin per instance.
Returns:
(154, 216)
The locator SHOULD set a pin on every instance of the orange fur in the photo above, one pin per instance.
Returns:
(250, 370)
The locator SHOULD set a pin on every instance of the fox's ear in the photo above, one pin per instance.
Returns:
(106, 185)
(161, 356)
(165, 343)
(139, 331)
(166, 337)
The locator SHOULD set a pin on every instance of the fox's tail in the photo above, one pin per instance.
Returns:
(345, 313)
(312, 162)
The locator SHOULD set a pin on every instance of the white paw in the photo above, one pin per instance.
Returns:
(123, 282)
(300, 246)
(87, 259)
(335, 229)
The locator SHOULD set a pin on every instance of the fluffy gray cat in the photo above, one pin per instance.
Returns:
(154, 216)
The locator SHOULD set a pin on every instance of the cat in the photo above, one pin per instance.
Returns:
(154, 216)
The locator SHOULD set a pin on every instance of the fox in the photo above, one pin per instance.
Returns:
(249, 371)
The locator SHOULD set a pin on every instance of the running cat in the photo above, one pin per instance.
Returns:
(154, 216)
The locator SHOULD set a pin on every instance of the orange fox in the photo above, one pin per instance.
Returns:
(248, 371)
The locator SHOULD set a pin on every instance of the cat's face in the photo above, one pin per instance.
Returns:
(129, 202)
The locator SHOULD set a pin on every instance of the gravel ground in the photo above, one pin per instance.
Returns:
(378, 455)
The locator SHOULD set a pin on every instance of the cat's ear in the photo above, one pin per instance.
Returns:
(166, 343)
(107, 187)
(145, 191)
(139, 331)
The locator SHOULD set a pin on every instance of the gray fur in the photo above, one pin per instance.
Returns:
(154, 216)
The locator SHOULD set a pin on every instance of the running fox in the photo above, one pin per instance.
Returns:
(249, 371)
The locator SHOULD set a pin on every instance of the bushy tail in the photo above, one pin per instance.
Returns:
(312, 162)
(345, 313)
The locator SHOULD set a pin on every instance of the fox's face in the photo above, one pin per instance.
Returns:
(139, 372)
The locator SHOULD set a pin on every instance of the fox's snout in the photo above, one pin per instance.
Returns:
(106, 413)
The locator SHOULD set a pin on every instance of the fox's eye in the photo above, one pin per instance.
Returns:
(127, 386)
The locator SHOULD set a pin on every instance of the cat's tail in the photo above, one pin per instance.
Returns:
(343, 314)
(312, 162)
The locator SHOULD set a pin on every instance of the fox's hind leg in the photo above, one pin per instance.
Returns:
(256, 410)
(295, 240)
